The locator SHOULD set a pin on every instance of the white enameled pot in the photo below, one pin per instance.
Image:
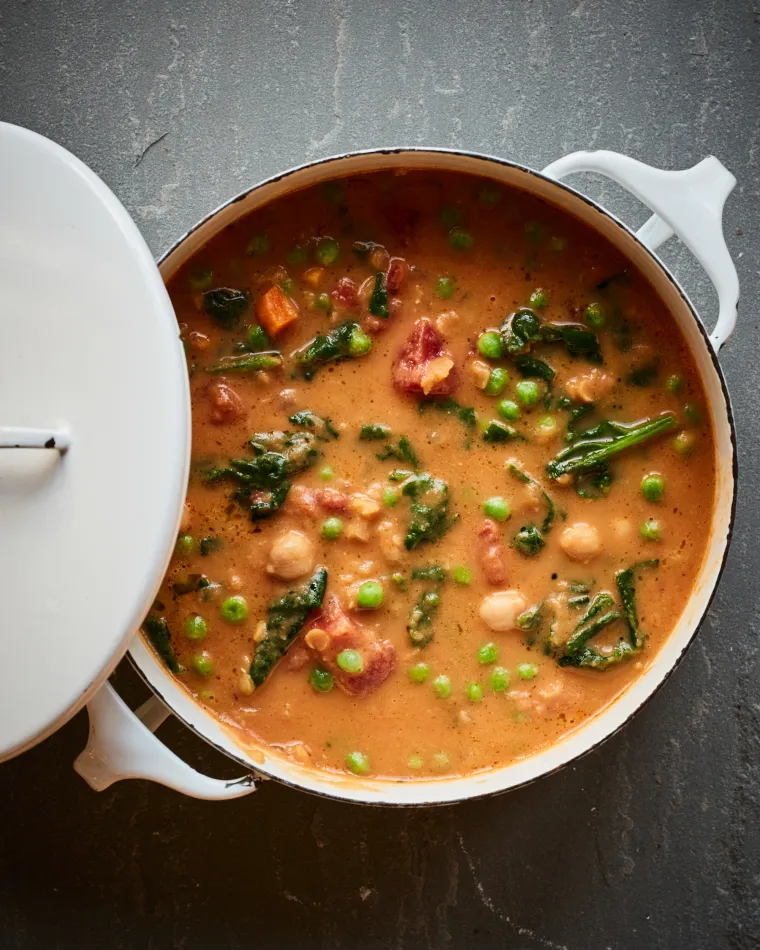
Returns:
(688, 204)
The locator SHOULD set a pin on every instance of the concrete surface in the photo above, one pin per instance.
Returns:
(651, 842)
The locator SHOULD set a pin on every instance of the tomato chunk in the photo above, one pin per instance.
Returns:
(423, 366)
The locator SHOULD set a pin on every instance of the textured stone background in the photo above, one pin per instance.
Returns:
(651, 842)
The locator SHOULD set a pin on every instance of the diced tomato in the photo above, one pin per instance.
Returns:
(492, 558)
(396, 275)
(337, 632)
(345, 294)
(423, 366)
(226, 405)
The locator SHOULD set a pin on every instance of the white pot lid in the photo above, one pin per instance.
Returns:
(89, 350)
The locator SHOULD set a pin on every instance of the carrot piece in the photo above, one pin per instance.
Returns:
(276, 310)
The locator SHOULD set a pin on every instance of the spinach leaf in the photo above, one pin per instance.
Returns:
(429, 509)
(246, 363)
(645, 374)
(519, 330)
(209, 545)
(226, 306)
(626, 585)
(592, 659)
(286, 617)
(466, 414)
(433, 572)
(157, 631)
(420, 623)
(347, 341)
(378, 302)
(403, 452)
(497, 431)
(578, 339)
(529, 540)
(594, 449)
(322, 425)
(374, 432)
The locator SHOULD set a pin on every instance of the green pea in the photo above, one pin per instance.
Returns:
(595, 316)
(653, 486)
(442, 686)
(391, 497)
(326, 473)
(185, 545)
(350, 661)
(497, 508)
(548, 425)
(297, 255)
(327, 251)
(650, 530)
(497, 381)
(358, 763)
(534, 232)
(558, 244)
(414, 762)
(527, 671)
(331, 529)
(488, 654)
(286, 286)
(202, 664)
(475, 692)
(440, 761)
(201, 280)
(489, 345)
(323, 302)
(693, 413)
(685, 442)
(258, 340)
(444, 288)
(528, 392)
(359, 344)
(674, 383)
(196, 627)
(500, 679)
(258, 245)
(321, 679)
(419, 672)
(460, 239)
(539, 298)
(370, 595)
(234, 609)
(461, 575)
(508, 409)
(450, 217)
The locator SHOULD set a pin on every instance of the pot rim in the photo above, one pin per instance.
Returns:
(339, 791)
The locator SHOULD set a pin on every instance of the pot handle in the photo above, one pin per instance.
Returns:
(122, 745)
(687, 203)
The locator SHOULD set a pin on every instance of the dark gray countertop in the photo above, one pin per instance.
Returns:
(652, 841)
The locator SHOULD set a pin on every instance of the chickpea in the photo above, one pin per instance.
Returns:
(501, 609)
(580, 542)
(291, 555)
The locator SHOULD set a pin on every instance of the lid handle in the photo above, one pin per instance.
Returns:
(122, 745)
(687, 203)
(24, 437)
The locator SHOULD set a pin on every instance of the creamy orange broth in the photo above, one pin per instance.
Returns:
(403, 728)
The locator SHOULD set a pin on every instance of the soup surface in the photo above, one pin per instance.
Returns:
(452, 476)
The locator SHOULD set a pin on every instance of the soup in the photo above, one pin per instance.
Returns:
(452, 477)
